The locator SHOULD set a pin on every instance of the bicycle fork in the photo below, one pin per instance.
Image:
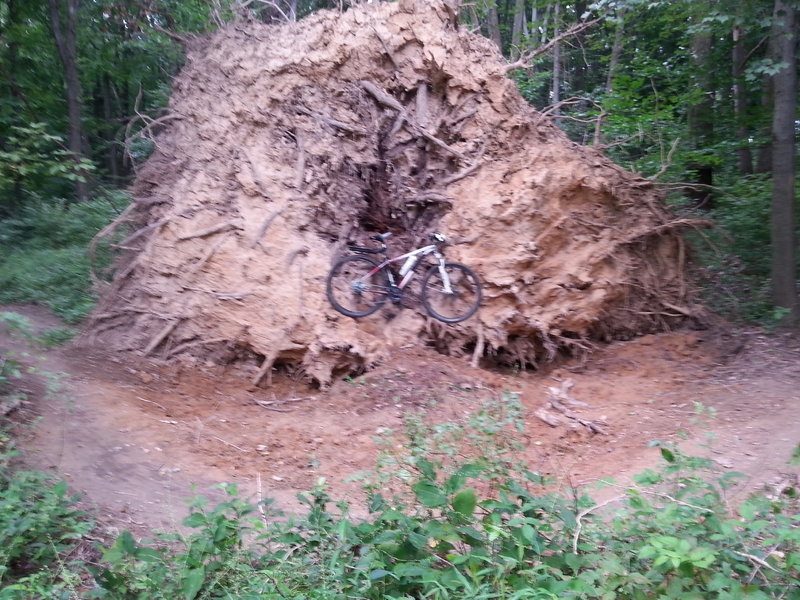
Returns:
(448, 289)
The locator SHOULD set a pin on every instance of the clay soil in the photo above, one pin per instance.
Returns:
(137, 437)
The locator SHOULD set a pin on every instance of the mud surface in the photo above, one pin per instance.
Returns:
(138, 437)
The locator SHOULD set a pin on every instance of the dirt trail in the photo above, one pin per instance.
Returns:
(137, 437)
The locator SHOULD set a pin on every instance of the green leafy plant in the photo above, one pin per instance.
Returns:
(40, 524)
(444, 532)
(43, 255)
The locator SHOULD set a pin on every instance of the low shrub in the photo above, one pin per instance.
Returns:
(40, 525)
(446, 534)
(43, 254)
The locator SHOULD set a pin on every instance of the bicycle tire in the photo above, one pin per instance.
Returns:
(458, 306)
(355, 288)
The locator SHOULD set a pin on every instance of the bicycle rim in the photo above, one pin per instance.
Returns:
(353, 289)
(463, 300)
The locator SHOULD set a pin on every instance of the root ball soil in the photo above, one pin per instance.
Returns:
(285, 142)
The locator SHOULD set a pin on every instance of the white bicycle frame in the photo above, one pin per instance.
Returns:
(416, 255)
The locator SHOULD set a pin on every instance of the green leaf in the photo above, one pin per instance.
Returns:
(667, 455)
(747, 511)
(427, 468)
(465, 502)
(410, 570)
(126, 543)
(377, 503)
(429, 494)
(195, 520)
(470, 470)
(379, 574)
(192, 582)
(60, 489)
(417, 540)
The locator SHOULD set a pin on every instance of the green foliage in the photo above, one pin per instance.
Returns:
(43, 257)
(39, 525)
(34, 158)
(21, 326)
(462, 528)
(734, 256)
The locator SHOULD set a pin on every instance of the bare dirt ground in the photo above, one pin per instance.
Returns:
(137, 437)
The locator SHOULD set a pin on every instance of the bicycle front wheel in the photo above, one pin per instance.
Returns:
(458, 303)
(357, 286)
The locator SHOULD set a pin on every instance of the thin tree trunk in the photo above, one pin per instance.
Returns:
(108, 130)
(701, 114)
(764, 157)
(613, 62)
(520, 27)
(744, 154)
(555, 94)
(65, 28)
(784, 267)
(493, 23)
(17, 192)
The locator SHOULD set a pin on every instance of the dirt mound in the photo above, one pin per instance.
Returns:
(285, 142)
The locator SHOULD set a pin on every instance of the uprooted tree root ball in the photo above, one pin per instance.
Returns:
(283, 143)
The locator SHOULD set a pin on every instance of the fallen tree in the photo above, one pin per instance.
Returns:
(285, 142)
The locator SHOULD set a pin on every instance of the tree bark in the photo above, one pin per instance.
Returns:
(17, 192)
(701, 114)
(493, 23)
(64, 23)
(555, 92)
(744, 155)
(784, 267)
(616, 52)
(519, 27)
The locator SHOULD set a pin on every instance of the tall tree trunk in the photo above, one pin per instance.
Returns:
(613, 62)
(108, 131)
(493, 23)
(701, 113)
(519, 28)
(17, 191)
(555, 93)
(764, 157)
(784, 267)
(743, 153)
(65, 31)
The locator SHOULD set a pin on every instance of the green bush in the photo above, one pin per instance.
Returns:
(462, 528)
(40, 525)
(43, 255)
(734, 258)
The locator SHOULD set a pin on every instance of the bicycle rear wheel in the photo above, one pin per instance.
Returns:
(357, 286)
(461, 302)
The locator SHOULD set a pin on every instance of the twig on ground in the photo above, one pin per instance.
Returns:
(260, 503)
(273, 404)
(579, 519)
(151, 402)
(219, 439)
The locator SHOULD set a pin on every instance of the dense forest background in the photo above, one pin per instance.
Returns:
(700, 96)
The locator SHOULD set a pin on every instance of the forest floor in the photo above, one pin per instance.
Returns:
(138, 437)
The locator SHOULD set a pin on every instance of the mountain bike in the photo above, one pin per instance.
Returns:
(358, 285)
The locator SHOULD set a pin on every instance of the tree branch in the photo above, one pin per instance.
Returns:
(524, 61)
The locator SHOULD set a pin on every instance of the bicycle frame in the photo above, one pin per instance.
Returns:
(417, 255)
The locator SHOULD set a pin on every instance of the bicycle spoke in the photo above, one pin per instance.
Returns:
(355, 288)
(459, 302)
